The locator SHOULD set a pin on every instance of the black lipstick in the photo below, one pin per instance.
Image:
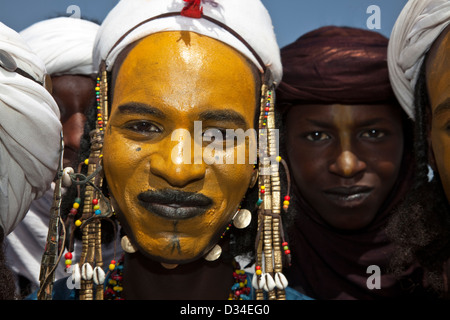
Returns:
(174, 204)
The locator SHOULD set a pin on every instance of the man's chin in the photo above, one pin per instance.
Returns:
(172, 257)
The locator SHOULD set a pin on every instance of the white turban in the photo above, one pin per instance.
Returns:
(64, 44)
(132, 20)
(417, 27)
(30, 132)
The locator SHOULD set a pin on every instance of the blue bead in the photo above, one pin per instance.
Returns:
(97, 212)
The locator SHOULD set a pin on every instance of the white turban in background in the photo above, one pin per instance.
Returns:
(129, 21)
(30, 132)
(64, 44)
(417, 27)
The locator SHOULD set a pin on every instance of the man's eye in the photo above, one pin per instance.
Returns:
(142, 127)
(219, 137)
(317, 136)
(373, 134)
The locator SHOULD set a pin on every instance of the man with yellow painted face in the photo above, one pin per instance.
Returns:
(419, 65)
(178, 79)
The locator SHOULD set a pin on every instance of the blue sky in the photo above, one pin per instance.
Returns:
(291, 18)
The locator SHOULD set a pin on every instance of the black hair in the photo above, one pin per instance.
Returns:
(420, 228)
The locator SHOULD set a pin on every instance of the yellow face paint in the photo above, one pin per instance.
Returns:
(168, 86)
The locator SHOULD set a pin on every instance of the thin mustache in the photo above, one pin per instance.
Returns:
(175, 198)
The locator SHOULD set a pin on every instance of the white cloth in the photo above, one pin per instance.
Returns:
(248, 18)
(417, 27)
(64, 44)
(30, 132)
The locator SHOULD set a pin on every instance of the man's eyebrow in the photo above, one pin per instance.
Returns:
(224, 116)
(442, 107)
(140, 108)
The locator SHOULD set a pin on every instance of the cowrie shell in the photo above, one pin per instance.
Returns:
(87, 272)
(99, 275)
(66, 180)
(270, 283)
(280, 281)
(258, 282)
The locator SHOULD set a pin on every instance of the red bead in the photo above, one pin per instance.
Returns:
(287, 198)
(113, 262)
(258, 268)
(94, 201)
(287, 252)
(68, 256)
(73, 211)
(284, 244)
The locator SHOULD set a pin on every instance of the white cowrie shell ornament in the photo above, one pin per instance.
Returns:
(99, 275)
(66, 180)
(87, 272)
(280, 281)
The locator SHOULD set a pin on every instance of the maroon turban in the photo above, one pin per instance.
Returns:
(336, 65)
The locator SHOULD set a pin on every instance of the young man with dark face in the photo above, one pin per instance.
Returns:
(348, 145)
(419, 65)
(30, 138)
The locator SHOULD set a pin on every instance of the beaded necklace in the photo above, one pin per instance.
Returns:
(240, 290)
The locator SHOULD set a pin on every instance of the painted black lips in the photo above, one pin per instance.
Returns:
(174, 204)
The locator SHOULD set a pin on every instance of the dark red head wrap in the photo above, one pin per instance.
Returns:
(336, 65)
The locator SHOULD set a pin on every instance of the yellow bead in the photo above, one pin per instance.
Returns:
(286, 203)
(86, 161)
(78, 223)
(258, 272)
(68, 261)
(112, 281)
(111, 267)
(263, 187)
(96, 207)
(241, 284)
(76, 205)
(278, 159)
